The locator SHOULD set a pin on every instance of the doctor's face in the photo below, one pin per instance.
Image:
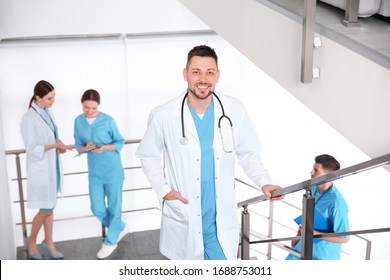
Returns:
(90, 108)
(202, 75)
(47, 101)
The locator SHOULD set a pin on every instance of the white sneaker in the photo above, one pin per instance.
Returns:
(123, 233)
(106, 251)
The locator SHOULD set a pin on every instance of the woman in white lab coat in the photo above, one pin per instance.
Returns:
(179, 183)
(44, 174)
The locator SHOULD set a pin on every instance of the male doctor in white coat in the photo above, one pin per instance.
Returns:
(195, 184)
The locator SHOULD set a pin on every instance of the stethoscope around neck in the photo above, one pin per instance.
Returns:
(184, 139)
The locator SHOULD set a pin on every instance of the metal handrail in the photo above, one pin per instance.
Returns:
(91, 216)
(23, 151)
(22, 201)
(305, 185)
(274, 241)
(308, 209)
(344, 233)
(332, 176)
(82, 195)
(351, 13)
(308, 28)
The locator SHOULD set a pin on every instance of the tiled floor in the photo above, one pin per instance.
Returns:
(134, 246)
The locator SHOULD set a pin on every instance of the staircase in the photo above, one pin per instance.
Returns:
(352, 93)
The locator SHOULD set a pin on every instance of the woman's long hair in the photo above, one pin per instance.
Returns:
(41, 89)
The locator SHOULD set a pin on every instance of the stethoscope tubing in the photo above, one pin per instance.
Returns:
(184, 139)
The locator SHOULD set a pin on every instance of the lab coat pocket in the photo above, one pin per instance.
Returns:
(174, 229)
(37, 171)
(176, 210)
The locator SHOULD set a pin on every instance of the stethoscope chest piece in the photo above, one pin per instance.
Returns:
(184, 140)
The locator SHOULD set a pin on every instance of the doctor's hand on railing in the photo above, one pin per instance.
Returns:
(174, 195)
(268, 189)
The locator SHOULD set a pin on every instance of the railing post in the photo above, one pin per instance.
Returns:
(245, 231)
(307, 226)
(21, 200)
(308, 27)
(270, 228)
(368, 250)
(351, 13)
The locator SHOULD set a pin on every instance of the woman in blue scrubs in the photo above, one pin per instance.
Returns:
(96, 134)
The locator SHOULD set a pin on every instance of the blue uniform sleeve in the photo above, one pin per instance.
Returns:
(78, 142)
(117, 138)
(340, 217)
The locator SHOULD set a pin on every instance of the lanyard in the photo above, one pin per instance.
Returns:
(54, 129)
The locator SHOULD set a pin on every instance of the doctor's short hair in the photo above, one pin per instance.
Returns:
(327, 162)
(203, 51)
(91, 95)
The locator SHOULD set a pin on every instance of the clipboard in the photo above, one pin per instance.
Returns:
(85, 152)
(321, 223)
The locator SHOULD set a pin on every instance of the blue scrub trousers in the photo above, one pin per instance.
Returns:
(212, 248)
(110, 214)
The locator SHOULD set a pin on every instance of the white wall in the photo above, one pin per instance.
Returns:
(20, 18)
(7, 233)
(138, 73)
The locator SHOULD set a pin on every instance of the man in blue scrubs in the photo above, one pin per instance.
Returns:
(331, 205)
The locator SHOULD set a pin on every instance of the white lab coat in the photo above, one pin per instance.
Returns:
(181, 225)
(41, 166)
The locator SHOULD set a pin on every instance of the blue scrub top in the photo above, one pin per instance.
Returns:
(332, 206)
(107, 166)
(205, 129)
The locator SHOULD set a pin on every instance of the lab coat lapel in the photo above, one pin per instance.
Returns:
(189, 124)
(217, 137)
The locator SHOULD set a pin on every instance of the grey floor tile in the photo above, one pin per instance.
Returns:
(134, 246)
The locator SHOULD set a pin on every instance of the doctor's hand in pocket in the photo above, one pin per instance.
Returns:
(174, 195)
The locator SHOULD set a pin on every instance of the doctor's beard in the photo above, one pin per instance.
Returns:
(201, 97)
